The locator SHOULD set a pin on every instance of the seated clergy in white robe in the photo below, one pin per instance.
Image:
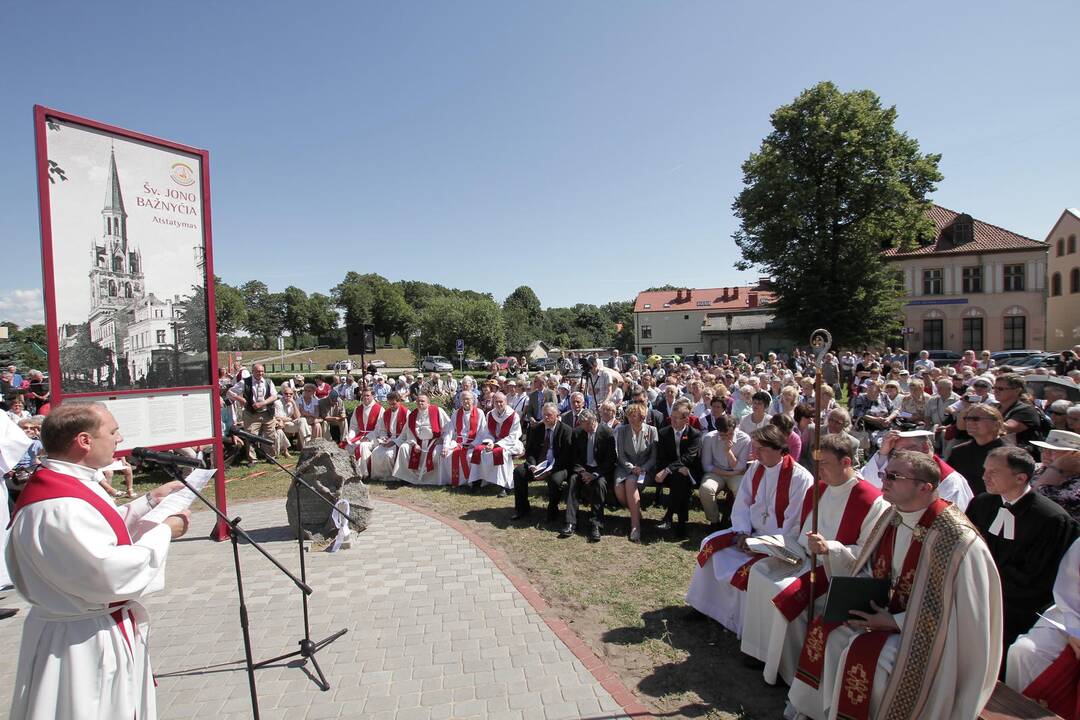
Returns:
(462, 435)
(83, 564)
(777, 597)
(768, 502)
(363, 427)
(389, 434)
(493, 457)
(935, 650)
(954, 487)
(1044, 663)
(420, 449)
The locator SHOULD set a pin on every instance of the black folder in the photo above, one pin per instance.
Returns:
(854, 593)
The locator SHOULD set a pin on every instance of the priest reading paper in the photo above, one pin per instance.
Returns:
(769, 501)
(774, 624)
(934, 651)
(83, 564)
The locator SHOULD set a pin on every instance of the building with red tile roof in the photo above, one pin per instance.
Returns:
(1063, 305)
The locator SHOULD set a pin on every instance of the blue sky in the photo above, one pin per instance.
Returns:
(587, 149)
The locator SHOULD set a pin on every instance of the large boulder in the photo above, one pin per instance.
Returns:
(333, 473)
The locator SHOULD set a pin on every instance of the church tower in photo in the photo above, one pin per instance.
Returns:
(116, 274)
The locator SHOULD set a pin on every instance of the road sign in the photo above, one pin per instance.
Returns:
(459, 346)
(280, 343)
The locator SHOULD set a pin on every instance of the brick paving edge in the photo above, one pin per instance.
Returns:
(604, 675)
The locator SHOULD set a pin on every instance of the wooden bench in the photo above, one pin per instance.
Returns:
(1007, 704)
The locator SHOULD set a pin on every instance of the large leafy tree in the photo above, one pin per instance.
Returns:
(297, 315)
(478, 322)
(265, 311)
(322, 318)
(832, 184)
(524, 318)
(229, 308)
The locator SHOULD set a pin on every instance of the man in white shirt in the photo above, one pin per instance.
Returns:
(500, 443)
(363, 426)
(256, 395)
(83, 564)
(420, 444)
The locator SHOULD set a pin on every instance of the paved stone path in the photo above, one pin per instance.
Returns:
(435, 630)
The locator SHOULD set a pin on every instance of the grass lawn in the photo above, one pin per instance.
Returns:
(624, 599)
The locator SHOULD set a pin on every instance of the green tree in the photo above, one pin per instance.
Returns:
(390, 313)
(832, 185)
(229, 308)
(322, 318)
(265, 311)
(523, 317)
(297, 314)
(478, 322)
(191, 321)
(354, 296)
(621, 315)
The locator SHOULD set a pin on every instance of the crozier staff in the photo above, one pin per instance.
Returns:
(83, 564)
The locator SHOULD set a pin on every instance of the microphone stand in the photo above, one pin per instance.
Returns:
(308, 648)
(237, 531)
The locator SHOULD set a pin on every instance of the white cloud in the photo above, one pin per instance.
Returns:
(22, 307)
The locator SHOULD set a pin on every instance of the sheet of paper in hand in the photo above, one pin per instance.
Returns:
(181, 499)
(854, 593)
(774, 546)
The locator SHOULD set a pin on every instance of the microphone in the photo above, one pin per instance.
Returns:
(250, 437)
(165, 458)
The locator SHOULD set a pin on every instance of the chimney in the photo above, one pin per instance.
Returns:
(724, 297)
(735, 293)
(688, 293)
(678, 295)
(751, 299)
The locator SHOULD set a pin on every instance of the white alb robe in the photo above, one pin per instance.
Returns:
(63, 557)
(452, 441)
(711, 591)
(767, 635)
(384, 450)
(953, 487)
(1034, 651)
(424, 439)
(362, 447)
(964, 679)
(487, 470)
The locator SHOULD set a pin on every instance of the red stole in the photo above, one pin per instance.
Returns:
(47, 484)
(714, 545)
(436, 430)
(368, 425)
(812, 658)
(794, 599)
(1057, 687)
(741, 579)
(857, 679)
(459, 463)
(497, 432)
(400, 416)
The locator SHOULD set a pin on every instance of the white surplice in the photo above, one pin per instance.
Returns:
(711, 591)
(452, 441)
(362, 447)
(961, 682)
(384, 451)
(63, 557)
(424, 438)
(954, 487)
(767, 635)
(1035, 650)
(488, 471)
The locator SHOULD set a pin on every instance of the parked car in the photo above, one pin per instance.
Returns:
(436, 363)
(542, 364)
(474, 364)
(377, 363)
(1011, 357)
(503, 362)
(1038, 360)
(941, 358)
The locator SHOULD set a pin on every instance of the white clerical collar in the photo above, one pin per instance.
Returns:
(506, 413)
(80, 472)
(911, 518)
(1011, 503)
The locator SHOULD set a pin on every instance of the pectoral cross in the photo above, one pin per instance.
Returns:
(765, 516)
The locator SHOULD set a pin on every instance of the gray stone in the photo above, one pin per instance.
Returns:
(332, 472)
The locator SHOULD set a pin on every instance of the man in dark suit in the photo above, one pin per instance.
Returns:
(537, 398)
(593, 472)
(666, 402)
(678, 455)
(547, 444)
(572, 417)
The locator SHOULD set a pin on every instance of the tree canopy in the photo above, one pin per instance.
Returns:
(832, 185)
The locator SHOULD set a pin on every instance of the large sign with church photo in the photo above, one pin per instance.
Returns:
(128, 278)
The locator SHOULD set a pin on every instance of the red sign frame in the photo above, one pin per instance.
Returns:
(41, 115)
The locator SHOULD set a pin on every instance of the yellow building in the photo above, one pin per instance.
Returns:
(973, 286)
(1063, 279)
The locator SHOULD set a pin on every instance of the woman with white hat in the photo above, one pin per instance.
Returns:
(1058, 477)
